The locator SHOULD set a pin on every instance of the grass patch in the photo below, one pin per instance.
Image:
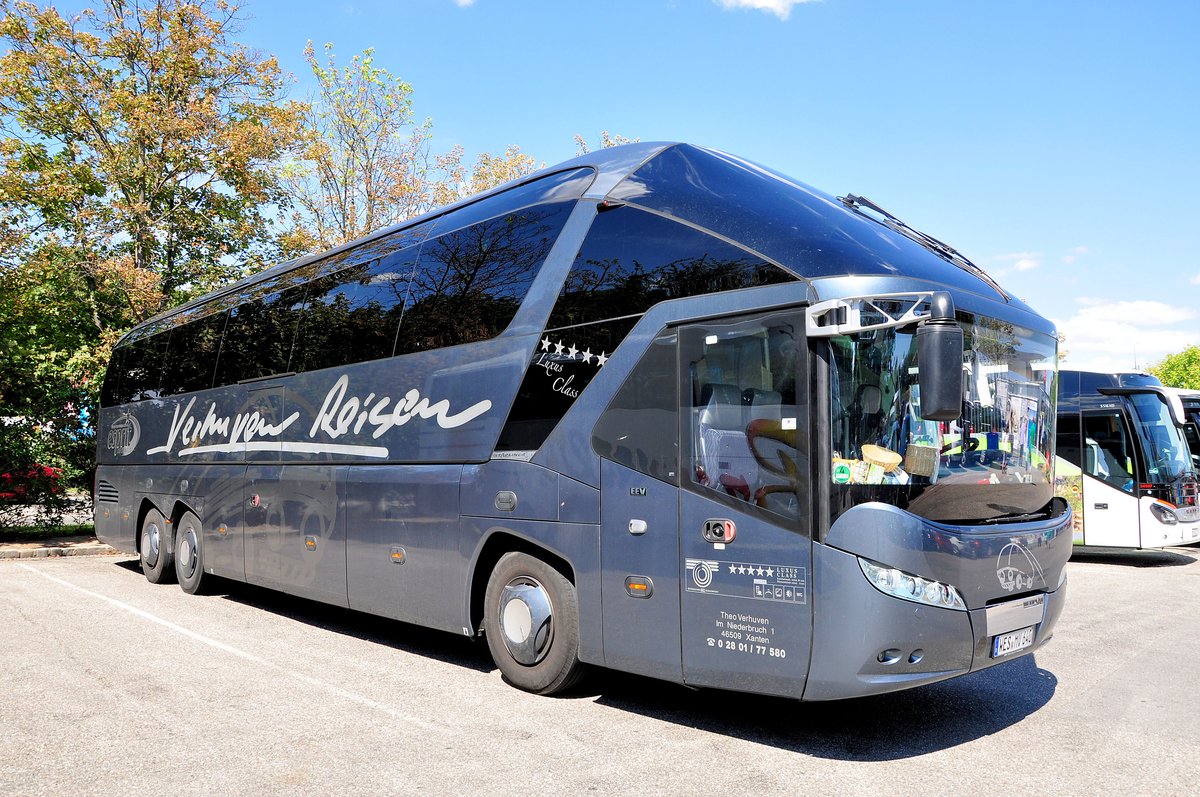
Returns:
(38, 533)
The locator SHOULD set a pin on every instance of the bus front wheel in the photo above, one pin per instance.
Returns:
(155, 548)
(189, 553)
(531, 621)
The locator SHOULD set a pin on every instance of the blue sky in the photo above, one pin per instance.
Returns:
(1054, 143)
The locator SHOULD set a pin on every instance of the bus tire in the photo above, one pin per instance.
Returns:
(189, 553)
(155, 548)
(531, 621)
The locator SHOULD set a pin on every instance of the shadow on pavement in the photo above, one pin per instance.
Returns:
(439, 645)
(1175, 557)
(882, 728)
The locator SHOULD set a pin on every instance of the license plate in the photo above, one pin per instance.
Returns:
(1004, 644)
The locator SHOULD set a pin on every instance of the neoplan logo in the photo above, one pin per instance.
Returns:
(123, 435)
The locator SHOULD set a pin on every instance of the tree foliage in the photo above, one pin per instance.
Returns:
(364, 159)
(606, 140)
(136, 167)
(1181, 369)
(367, 162)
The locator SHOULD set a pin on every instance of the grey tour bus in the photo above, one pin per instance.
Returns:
(657, 409)
(1124, 461)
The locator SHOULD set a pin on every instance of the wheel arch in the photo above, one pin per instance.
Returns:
(498, 543)
(144, 509)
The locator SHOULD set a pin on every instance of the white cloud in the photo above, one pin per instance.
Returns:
(1021, 261)
(464, 3)
(1196, 280)
(1105, 335)
(780, 8)
(1074, 254)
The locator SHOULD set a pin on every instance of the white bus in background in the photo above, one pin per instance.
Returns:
(1190, 400)
(1123, 461)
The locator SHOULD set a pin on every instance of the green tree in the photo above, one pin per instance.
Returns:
(364, 162)
(367, 162)
(137, 167)
(1181, 369)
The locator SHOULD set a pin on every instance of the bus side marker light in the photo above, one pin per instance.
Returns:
(637, 527)
(399, 556)
(310, 543)
(639, 586)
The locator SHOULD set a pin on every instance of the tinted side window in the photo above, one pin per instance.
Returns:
(258, 336)
(1066, 440)
(142, 365)
(191, 354)
(639, 428)
(469, 283)
(632, 260)
(110, 392)
(352, 316)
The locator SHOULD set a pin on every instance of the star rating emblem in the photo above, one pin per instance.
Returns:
(558, 347)
(546, 344)
(571, 352)
(601, 359)
(587, 355)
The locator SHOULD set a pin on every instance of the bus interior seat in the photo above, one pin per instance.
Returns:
(724, 451)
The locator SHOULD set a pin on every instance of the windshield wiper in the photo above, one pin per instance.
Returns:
(942, 250)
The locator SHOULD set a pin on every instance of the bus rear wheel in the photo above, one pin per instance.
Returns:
(189, 553)
(531, 620)
(156, 549)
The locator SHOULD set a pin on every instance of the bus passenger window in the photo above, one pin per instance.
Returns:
(352, 315)
(469, 283)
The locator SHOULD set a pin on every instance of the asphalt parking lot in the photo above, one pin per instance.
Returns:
(112, 686)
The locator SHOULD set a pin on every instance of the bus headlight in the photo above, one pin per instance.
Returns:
(1163, 514)
(906, 586)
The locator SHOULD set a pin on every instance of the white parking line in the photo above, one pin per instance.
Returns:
(339, 692)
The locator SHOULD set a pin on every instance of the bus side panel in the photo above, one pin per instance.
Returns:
(405, 556)
(224, 543)
(294, 538)
(115, 510)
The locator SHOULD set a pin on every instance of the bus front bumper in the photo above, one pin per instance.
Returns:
(866, 642)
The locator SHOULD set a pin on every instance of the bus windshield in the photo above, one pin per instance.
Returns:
(1167, 454)
(992, 463)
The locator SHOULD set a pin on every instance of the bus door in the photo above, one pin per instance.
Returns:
(744, 513)
(1109, 466)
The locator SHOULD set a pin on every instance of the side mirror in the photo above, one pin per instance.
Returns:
(940, 361)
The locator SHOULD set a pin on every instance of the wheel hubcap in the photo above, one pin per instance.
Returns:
(187, 553)
(150, 551)
(526, 620)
